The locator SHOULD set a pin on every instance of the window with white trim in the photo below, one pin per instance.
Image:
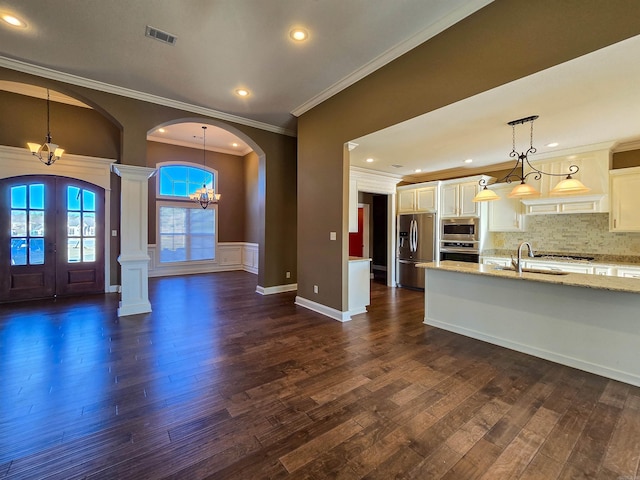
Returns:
(185, 231)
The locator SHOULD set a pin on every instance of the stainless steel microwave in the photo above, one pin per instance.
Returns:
(459, 229)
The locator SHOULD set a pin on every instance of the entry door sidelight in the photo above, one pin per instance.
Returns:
(51, 237)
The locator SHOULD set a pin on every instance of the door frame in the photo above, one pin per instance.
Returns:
(17, 162)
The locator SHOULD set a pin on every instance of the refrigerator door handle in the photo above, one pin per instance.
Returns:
(415, 235)
(411, 236)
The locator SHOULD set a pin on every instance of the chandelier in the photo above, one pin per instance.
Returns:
(567, 186)
(204, 196)
(48, 152)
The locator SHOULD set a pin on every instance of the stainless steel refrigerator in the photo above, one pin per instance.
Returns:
(416, 244)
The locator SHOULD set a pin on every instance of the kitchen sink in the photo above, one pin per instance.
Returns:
(534, 270)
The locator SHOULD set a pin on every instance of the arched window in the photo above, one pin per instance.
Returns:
(185, 231)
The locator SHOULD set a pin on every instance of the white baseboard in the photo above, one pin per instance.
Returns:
(277, 289)
(324, 310)
(113, 289)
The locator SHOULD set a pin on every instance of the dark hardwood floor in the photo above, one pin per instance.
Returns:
(222, 383)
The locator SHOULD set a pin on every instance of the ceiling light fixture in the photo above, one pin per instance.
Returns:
(552, 144)
(13, 20)
(241, 92)
(48, 152)
(567, 186)
(418, 170)
(205, 196)
(369, 160)
(299, 34)
(469, 160)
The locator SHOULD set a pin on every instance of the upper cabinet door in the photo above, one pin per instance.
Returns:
(506, 214)
(406, 201)
(426, 199)
(468, 208)
(625, 193)
(449, 200)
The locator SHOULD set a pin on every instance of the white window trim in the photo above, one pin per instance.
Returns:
(185, 203)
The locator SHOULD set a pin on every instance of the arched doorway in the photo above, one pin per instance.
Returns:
(52, 237)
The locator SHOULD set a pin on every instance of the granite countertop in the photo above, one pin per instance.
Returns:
(359, 259)
(603, 282)
(614, 260)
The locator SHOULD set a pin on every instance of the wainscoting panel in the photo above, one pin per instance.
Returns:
(229, 256)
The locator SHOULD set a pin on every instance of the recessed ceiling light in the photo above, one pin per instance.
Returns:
(418, 170)
(234, 144)
(468, 160)
(553, 144)
(369, 160)
(13, 20)
(299, 34)
(161, 130)
(242, 92)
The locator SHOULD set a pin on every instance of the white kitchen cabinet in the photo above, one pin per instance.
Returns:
(607, 271)
(495, 261)
(628, 272)
(456, 197)
(506, 214)
(559, 266)
(625, 194)
(417, 199)
(593, 167)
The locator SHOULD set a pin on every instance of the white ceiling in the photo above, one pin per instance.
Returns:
(588, 101)
(226, 44)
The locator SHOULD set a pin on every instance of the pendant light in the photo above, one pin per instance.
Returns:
(204, 196)
(568, 186)
(48, 152)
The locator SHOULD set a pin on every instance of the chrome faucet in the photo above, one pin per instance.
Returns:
(517, 265)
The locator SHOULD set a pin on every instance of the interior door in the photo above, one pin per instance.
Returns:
(51, 237)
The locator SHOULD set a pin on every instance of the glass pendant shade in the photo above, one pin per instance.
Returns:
(569, 186)
(524, 191)
(486, 195)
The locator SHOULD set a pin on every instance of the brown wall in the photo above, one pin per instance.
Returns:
(252, 198)
(627, 159)
(132, 119)
(81, 131)
(231, 184)
(504, 41)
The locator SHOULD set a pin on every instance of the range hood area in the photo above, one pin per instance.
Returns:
(594, 173)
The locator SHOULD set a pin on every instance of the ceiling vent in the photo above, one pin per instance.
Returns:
(164, 37)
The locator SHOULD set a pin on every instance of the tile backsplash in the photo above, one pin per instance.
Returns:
(586, 233)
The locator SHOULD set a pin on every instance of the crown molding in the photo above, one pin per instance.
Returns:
(393, 53)
(627, 146)
(51, 74)
(180, 143)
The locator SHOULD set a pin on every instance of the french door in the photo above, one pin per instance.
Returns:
(51, 237)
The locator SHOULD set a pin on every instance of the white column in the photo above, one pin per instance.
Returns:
(134, 259)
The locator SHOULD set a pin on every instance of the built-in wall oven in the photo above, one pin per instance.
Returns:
(460, 239)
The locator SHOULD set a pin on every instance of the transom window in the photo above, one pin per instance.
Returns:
(183, 180)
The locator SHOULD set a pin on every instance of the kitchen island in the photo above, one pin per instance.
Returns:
(590, 322)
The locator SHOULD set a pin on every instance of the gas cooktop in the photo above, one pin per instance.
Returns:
(574, 258)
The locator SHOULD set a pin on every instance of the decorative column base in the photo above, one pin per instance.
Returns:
(135, 272)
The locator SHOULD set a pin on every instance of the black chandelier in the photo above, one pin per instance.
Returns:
(567, 186)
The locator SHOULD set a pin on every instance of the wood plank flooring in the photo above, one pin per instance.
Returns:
(219, 382)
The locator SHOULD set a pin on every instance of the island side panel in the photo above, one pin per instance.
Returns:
(591, 329)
